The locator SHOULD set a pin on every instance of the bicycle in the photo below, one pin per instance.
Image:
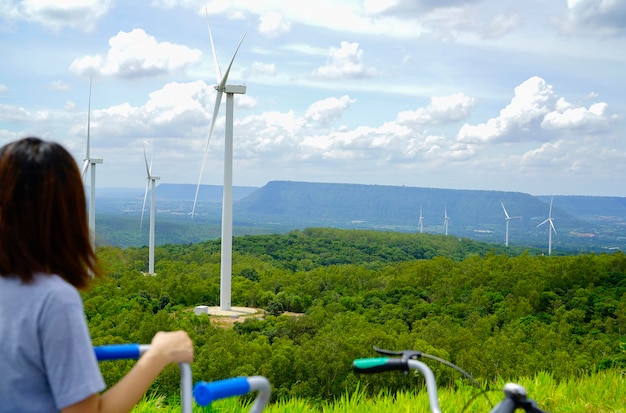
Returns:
(515, 396)
(204, 393)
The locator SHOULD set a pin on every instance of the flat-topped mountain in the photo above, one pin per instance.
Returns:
(586, 223)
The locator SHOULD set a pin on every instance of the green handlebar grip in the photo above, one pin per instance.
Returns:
(379, 364)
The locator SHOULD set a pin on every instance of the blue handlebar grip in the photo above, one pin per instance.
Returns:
(206, 392)
(117, 352)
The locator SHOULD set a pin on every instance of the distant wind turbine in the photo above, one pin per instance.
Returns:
(550, 227)
(421, 221)
(151, 180)
(445, 220)
(227, 198)
(507, 219)
(89, 161)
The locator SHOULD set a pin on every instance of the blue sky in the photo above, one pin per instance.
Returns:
(476, 94)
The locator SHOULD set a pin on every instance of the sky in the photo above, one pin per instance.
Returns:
(507, 95)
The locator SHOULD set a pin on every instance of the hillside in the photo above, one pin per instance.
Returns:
(498, 313)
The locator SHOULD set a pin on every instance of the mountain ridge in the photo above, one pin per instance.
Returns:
(587, 222)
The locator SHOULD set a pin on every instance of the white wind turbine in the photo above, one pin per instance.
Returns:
(421, 221)
(151, 180)
(507, 218)
(445, 220)
(91, 162)
(227, 198)
(550, 227)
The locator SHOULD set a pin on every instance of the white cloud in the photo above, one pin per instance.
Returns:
(327, 111)
(272, 136)
(499, 26)
(535, 109)
(54, 14)
(261, 69)
(176, 110)
(3, 88)
(549, 153)
(246, 102)
(442, 109)
(15, 113)
(391, 142)
(273, 24)
(345, 62)
(533, 99)
(411, 7)
(137, 54)
(567, 116)
(448, 18)
(58, 85)
(607, 16)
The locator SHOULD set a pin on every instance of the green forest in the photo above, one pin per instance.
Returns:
(499, 313)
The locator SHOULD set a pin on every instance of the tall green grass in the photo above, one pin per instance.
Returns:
(601, 392)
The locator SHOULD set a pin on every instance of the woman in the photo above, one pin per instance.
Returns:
(47, 362)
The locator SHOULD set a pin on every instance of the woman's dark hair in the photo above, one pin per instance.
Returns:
(43, 214)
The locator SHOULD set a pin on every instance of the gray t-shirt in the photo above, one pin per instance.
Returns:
(47, 361)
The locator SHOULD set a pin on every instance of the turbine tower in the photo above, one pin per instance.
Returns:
(550, 227)
(421, 221)
(445, 220)
(227, 198)
(151, 180)
(91, 162)
(507, 219)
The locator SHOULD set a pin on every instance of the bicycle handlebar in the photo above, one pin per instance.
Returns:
(133, 352)
(379, 364)
(515, 396)
(207, 392)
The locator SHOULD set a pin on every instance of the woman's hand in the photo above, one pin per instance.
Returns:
(171, 347)
(166, 348)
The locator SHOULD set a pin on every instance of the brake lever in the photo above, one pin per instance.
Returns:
(406, 354)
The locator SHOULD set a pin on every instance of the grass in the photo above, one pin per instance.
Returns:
(603, 392)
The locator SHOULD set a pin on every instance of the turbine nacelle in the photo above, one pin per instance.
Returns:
(236, 89)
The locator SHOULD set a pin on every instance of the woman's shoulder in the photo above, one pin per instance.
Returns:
(54, 284)
(42, 287)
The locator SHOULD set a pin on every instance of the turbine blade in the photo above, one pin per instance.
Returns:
(550, 214)
(552, 226)
(143, 208)
(85, 166)
(222, 83)
(195, 199)
(218, 73)
(505, 213)
(148, 170)
(89, 119)
(216, 109)
(546, 220)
